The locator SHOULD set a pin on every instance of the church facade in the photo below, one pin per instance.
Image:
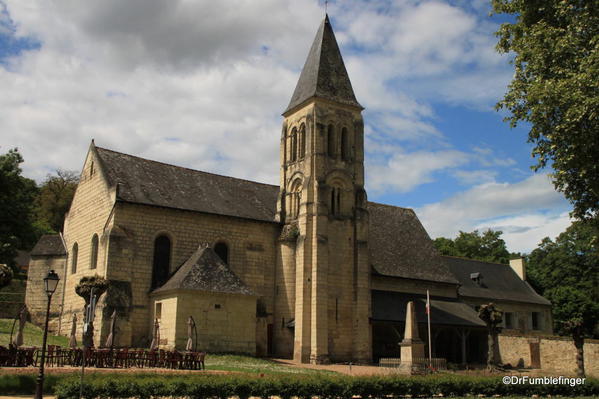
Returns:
(309, 269)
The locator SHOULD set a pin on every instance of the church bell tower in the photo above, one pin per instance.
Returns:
(323, 248)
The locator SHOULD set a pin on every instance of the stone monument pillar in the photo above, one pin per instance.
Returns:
(412, 347)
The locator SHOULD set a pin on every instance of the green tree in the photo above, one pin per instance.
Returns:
(488, 246)
(566, 271)
(554, 89)
(55, 196)
(17, 195)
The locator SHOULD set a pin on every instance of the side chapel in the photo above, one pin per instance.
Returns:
(309, 269)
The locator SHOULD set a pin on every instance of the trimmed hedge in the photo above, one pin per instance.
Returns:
(23, 384)
(305, 387)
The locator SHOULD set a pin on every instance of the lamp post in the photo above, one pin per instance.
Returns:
(50, 284)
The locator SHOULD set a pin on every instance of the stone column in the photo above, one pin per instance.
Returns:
(412, 347)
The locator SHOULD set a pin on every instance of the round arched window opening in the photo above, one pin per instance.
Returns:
(74, 255)
(93, 261)
(162, 260)
(222, 250)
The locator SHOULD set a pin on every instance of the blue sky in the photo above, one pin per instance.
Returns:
(202, 84)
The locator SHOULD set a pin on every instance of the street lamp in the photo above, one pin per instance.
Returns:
(50, 284)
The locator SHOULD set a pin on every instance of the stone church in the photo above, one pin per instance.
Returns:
(309, 269)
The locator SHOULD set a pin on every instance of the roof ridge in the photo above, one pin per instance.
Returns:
(184, 167)
(391, 206)
(475, 260)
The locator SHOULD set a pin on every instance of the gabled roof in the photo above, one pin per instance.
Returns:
(49, 245)
(324, 74)
(400, 247)
(498, 282)
(205, 271)
(142, 181)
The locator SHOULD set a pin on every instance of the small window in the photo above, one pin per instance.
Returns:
(158, 311)
(335, 201)
(536, 321)
(331, 141)
(302, 141)
(509, 320)
(222, 250)
(344, 145)
(294, 145)
(216, 306)
(93, 260)
(91, 169)
(74, 255)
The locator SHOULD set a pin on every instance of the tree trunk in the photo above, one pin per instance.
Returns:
(491, 350)
(579, 344)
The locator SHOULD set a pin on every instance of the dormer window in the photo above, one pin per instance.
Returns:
(477, 278)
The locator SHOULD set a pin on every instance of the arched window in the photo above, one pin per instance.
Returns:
(222, 250)
(93, 259)
(331, 141)
(344, 144)
(294, 198)
(162, 260)
(294, 145)
(302, 140)
(335, 201)
(74, 254)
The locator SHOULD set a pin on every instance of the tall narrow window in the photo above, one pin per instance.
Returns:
(344, 144)
(536, 321)
(302, 141)
(336, 201)
(93, 259)
(222, 250)
(162, 261)
(331, 141)
(74, 255)
(294, 145)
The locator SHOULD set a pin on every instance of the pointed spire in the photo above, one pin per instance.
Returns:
(324, 74)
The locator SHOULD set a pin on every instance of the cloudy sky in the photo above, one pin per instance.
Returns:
(202, 84)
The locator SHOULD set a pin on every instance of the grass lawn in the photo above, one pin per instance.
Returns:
(32, 335)
(248, 364)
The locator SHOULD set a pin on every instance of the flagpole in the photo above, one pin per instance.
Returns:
(428, 315)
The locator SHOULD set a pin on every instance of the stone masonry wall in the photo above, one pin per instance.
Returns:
(557, 354)
(522, 315)
(224, 323)
(89, 214)
(252, 255)
(35, 294)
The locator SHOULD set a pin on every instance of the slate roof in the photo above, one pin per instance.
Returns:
(49, 245)
(500, 282)
(148, 182)
(324, 74)
(205, 271)
(391, 306)
(400, 247)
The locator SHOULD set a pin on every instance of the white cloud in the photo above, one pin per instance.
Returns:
(402, 172)
(495, 205)
(523, 233)
(475, 176)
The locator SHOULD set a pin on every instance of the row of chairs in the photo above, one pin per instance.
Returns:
(57, 356)
(18, 357)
